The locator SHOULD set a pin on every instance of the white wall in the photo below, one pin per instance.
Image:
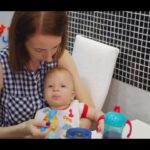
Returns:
(134, 102)
(5, 19)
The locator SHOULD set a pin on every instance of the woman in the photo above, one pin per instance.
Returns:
(37, 42)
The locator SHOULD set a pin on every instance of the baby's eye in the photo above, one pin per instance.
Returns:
(50, 86)
(63, 86)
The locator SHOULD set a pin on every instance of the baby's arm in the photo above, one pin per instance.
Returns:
(93, 114)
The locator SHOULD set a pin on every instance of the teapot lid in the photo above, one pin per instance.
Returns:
(115, 118)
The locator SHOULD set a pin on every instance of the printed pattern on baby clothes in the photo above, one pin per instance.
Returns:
(64, 119)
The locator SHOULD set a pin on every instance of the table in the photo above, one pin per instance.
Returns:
(140, 130)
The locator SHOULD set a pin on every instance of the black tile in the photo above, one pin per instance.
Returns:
(132, 76)
(140, 85)
(145, 75)
(137, 60)
(141, 74)
(131, 82)
(145, 81)
(135, 84)
(127, 81)
(119, 77)
(146, 62)
(145, 69)
(142, 61)
(128, 75)
(124, 79)
(138, 54)
(136, 78)
(148, 88)
(140, 79)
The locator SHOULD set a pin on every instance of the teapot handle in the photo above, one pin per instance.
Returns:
(130, 125)
(100, 118)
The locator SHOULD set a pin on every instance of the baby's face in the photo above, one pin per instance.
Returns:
(59, 89)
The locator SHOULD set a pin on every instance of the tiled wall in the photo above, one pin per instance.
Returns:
(127, 30)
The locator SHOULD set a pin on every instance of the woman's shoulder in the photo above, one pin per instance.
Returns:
(65, 59)
(3, 55)
(4, 51)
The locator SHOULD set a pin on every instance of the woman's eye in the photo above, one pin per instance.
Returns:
(39, 50)
(55, 47)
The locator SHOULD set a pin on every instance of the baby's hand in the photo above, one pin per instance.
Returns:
(100, 123)
(100, 126)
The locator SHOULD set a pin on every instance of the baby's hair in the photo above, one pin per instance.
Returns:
(57, 69)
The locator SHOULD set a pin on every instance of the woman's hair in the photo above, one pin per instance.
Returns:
(25, 24)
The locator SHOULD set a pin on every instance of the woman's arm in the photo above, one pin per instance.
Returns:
(1, 78)
(28, 129)
(82, 93)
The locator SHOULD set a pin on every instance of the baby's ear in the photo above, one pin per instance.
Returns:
(73, 94)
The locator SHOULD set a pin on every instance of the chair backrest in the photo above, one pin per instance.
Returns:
(95, 62)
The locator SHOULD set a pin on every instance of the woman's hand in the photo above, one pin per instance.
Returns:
(27, 129)
(32, 129)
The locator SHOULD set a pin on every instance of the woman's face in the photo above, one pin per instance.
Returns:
(42, 47)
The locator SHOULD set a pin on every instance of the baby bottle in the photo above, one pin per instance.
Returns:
(114, 123)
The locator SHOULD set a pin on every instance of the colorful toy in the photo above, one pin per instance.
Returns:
(48, 117)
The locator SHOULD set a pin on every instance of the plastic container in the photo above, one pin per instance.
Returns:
(114, 123)
(78, 133)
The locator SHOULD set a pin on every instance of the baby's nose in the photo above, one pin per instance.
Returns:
(56, 88)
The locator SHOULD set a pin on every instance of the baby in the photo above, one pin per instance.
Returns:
(59, 93)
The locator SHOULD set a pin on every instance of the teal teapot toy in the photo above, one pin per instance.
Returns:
(114, 123)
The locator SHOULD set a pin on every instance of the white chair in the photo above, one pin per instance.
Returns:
(95, 62)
